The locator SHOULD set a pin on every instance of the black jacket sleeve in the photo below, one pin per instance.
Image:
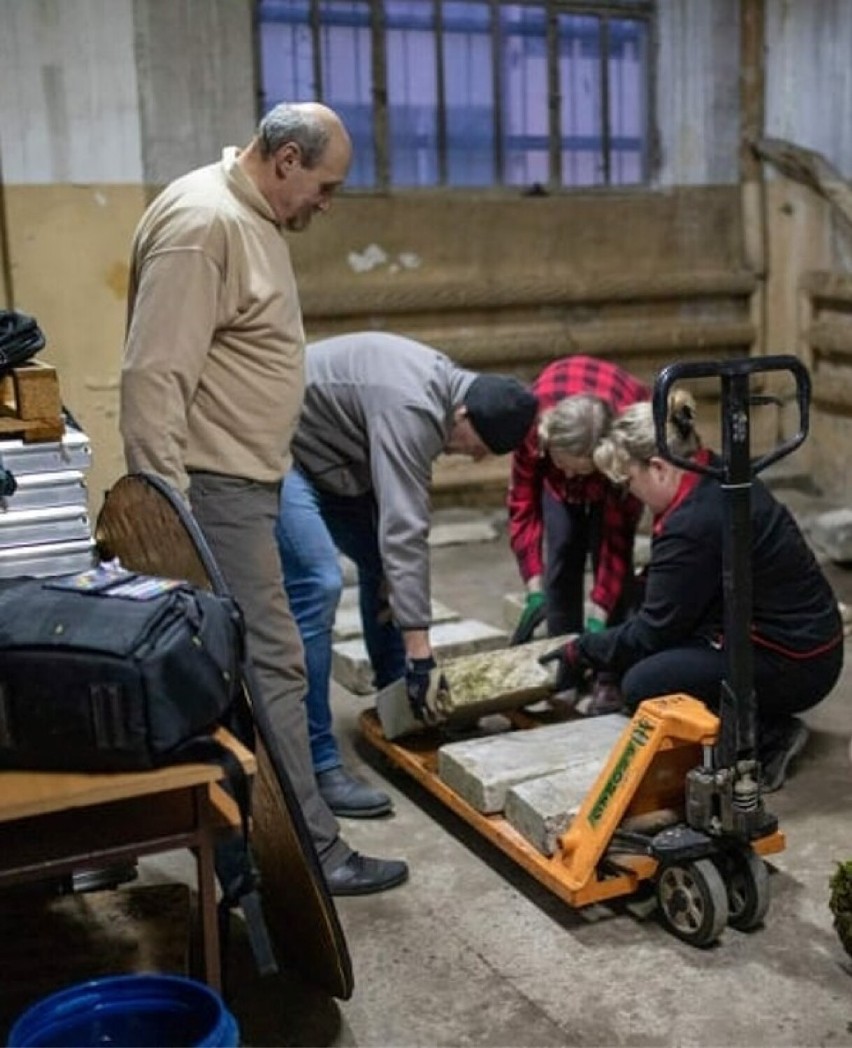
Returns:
(683, 590)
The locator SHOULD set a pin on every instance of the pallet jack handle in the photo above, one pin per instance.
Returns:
(736, 394)
(737, 708)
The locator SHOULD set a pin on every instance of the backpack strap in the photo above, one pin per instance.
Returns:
(235, 867)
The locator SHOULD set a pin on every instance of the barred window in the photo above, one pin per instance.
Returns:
(538, 94)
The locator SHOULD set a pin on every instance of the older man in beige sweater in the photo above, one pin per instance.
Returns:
(211, 388)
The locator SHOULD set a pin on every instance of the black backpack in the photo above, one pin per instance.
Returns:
(20, 338)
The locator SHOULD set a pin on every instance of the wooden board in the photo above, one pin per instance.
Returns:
(149, 528)
(30, 403)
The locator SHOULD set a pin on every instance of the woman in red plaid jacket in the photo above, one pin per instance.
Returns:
(562, 511)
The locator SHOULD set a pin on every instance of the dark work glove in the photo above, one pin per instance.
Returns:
(605, 697)
(572, 669)
(426, 688)
(532, 616)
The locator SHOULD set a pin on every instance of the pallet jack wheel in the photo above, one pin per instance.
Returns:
(747, 879)
(693, 901)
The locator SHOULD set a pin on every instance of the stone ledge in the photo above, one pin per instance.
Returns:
(482, 771)
(350, 665)
(542, 809)
(347, 621)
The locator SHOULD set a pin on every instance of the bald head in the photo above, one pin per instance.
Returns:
(313, 127)
(298, 159)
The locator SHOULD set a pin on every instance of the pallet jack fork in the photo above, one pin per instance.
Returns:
(678, 803)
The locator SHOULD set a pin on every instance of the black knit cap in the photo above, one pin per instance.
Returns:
(501, 411)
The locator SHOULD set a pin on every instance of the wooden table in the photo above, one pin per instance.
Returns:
(52, 823)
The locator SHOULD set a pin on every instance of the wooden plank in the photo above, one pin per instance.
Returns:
(339, 299)
(31, 431)
(828, 286)
(30, 793)
(30, 403)
(831, 334)
(810, 168)
(36, 388)
(832, 385)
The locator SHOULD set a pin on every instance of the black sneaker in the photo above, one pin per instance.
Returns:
(781, 746)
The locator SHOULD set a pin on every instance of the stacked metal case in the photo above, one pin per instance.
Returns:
(45, 527)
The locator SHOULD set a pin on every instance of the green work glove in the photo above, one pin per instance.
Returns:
(532, 615)
(594, 625)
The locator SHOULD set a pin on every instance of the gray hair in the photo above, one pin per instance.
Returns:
(575, 425)
(632, 437)
(298, 123)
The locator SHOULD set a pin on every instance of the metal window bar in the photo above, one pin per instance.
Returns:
(316, 34)
(604, 10)
(554, 99)
(443, 160)
(497, 105)
(605, 113)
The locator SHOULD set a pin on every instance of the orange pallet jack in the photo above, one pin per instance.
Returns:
(677, 806)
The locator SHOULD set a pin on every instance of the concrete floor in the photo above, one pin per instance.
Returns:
(472, 951)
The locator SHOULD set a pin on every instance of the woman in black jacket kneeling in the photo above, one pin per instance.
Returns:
(674, 641)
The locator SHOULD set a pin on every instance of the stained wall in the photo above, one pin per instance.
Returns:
(103, 101)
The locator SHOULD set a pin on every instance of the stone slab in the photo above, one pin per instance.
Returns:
(348, 598)
(347, 621)
(350, 665)
(482, 771)
(641, 550)
(394, 712)
(461, 526)
(462, 533)
(478, 685)
(832, 533)
(513, 605)
(349, 571)
(542, 809)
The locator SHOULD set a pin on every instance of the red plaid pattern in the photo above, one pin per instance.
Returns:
(532, 473)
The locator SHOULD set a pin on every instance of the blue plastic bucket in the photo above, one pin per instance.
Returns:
(129, 1011)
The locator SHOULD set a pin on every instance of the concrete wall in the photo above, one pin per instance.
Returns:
(195, 68)
(809, 103)
(697, 91)
(103, 101)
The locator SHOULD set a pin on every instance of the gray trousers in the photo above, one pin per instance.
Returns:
(238, 520)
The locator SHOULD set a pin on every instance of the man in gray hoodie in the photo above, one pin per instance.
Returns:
(378, 410)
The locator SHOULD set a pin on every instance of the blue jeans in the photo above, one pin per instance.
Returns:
(313, 528)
